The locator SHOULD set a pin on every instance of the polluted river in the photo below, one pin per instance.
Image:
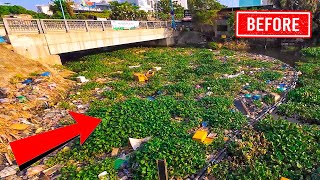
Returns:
(206, 112)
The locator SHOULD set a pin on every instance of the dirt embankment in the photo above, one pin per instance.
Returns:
(27, 89)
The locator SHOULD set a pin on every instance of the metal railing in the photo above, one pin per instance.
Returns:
(15, 25)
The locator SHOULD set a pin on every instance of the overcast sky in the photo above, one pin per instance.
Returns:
(30, 4)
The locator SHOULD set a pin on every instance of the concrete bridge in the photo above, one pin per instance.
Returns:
(43, 40)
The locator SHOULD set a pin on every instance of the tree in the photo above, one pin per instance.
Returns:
(204, 11)
(126, 11)
(66, 5)
(163, 10)
(296, 4)
(6, 10)
(310, 5)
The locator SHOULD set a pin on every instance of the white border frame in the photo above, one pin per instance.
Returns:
(270, 36)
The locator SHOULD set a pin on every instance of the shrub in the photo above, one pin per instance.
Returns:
(311, 51)
(214, 45)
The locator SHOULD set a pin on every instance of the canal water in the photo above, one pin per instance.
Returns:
(287, 55)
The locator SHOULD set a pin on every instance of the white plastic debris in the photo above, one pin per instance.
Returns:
(82, 79)
(156, 68)
(236, 75)
(134, 66)
(102, 175)
(135, 143)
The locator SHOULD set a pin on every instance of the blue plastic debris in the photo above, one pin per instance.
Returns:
(282, 85)
(150, 98)
(247, 95)
(45, 74)
(284, 66)
(232, 110)
(204, 124)
(246, 87)
(27, 81)
(256, 97)
(268, 81)
(2, 40)
(282, 89)
(159, 92)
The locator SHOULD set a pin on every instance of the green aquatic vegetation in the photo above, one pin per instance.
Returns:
(183, 157)
(224, 118)
(278, 149)
(269, 75)
(91, 171)
(311, 51)
(223, 86)
(171, 118)
(255, 63)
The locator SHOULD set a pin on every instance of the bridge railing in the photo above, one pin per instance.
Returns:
(16, 25)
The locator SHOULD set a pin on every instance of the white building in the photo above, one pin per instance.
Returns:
(145, 5)
(183, 3)
(44, 9)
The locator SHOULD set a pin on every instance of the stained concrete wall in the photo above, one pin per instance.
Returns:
(2, 31)
(43, 47)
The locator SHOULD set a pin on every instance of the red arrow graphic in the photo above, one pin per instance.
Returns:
(31, 147)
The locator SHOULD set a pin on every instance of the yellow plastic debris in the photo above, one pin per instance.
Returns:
(223, 36)
(283, 178)
(225, 139)
(20, 127)
(149, 74)
(200, 136)
(140, 77)
(208, 140)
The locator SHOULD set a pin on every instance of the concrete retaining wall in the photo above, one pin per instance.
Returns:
(46, 47)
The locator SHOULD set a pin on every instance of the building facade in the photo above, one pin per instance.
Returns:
(183, 3)
(248, 3)
(44, 9)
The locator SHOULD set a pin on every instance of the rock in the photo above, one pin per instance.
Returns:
(35, 170)
(19, 127)
(114, 152)
(4, 92)
(8, 171)
(39, 130)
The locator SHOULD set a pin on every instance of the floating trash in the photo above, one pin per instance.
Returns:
(204, 124)
(45, 74)
(159, 92)
(27, 81)
(282, 89)
(246, 87)
(256, 97)
(282, 85)
(150, 98)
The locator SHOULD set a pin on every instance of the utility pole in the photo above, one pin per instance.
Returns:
(173, 23)
(64, 17)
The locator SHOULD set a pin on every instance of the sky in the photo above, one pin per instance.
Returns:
(31, 4)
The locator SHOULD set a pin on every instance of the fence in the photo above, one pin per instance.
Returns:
(14, 25)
